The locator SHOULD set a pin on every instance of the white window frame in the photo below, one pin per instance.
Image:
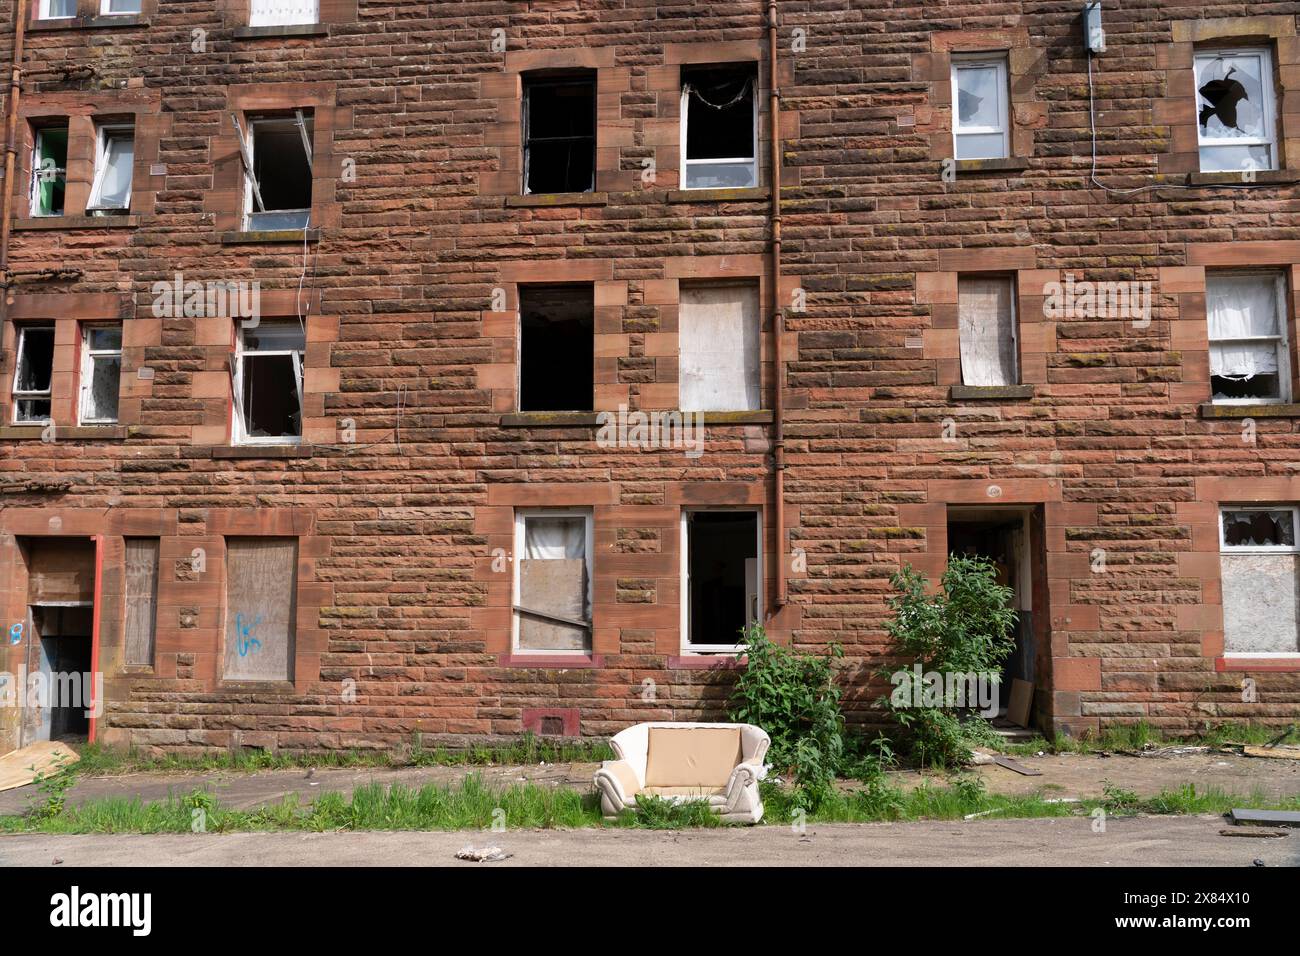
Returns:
(521, 517)
(105, 11)
(752, 159)
(36, 169)
(1280, 340)
(43, 12)
(683, 540)
(237, 411)
(250, 206)
(982, 61)
(103, 134)
(263, 19)
(88, 356)
(1269, 110)
(1226, 549)
(16, 394)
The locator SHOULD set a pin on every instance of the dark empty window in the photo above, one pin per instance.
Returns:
(560, 134)
(268, 382)
(557, 348)
(719, 127)
(32, 376)
(279, 189)
(722, 577)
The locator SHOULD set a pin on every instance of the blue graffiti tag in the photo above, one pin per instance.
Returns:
(244, 639)
(16, 633)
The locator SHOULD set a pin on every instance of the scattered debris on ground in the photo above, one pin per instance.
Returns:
(1258, 832)
(488, 854)
(20, 767)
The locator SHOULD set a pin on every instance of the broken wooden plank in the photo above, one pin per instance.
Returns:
(1259, 832)
(20, 767)
(1019, 768)
(1022, 699)
(1266, 818)
(1273, 753)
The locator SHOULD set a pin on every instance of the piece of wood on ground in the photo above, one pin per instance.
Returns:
(1261, 832)
(1266, 818)
(20, 767)
(1019, 768)
(1022, 699)
(1275, 753)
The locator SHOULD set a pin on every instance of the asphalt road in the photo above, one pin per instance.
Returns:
(1141, 841)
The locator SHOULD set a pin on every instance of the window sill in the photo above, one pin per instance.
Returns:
(64, 432)
(239, 238)
(706, 662)
(548, 200)
(1009, 164)
(1276, 410)
(90, 23)
(977, 393)
(1263, 177)
(256, 687)
(744, 194)
(1246, 663)
(549, 420)
(285, 30)
(77, 222)
(263, 451)
(551, 661)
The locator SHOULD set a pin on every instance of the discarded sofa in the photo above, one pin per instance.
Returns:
(719, 763)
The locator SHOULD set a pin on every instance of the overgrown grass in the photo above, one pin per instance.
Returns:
(99, 761)
(472, 805)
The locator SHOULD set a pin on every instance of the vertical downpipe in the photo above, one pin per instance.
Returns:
(11, 151)
(778, 314)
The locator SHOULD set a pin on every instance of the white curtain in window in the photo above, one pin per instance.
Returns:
(1242, 307)
(115, 187)
(267, 13)
(554, 539)
(986, 320)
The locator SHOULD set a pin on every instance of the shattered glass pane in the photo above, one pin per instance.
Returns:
(1232, 98)
(977, 97)
(1258, 529)
(105, 379)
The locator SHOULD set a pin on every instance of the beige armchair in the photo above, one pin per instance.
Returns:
(717, 763)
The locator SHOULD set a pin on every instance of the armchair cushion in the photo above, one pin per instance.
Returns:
(695, 757)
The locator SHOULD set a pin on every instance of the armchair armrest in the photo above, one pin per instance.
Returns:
(618, 783)
(747, 773)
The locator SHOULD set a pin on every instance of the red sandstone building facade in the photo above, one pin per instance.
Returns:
(327, 328)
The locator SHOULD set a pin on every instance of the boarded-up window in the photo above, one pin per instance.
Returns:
(261, 584)
(986, 316)
(553, 603)
(718, 336)
(1260, 570)
(141, 594)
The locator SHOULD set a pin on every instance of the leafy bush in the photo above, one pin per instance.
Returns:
(965, 628)
(794, 698)
(54, 787)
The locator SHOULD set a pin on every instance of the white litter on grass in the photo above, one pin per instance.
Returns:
(488, 854)
(985, 813)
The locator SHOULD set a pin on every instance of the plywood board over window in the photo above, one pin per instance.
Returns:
(261, 584)
(141, 563)
(718, 335)
(986, 317)
(1260, 563)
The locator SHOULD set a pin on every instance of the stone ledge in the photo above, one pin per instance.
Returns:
(745, 194)
(759, 417)
(77, 222)
(1263, 177)
(975, 393)
(262, 451)
(567, 661)
(551, 200)
(287, 30)
(549, 420)
(1288, 410)
(90, 23)
(64, 432)
(238, 238)
(705, 662)
(1009, 164)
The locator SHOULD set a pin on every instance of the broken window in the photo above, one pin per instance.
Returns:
(267, 383)
(49, 170)
(722, 588)
(1236, 105)
(119, 7)
(719, 127)
(986, 320)
(552, 605)
(33, 374)
(277, 157)
(718, 342)
(57, 10)
(110, 194)
(560, 134)
(268, 13)
(140, 565)
(101, 373)
(1258, 561)
(261, 604)
(557, 348)
(1249, 359)
(980, 108)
